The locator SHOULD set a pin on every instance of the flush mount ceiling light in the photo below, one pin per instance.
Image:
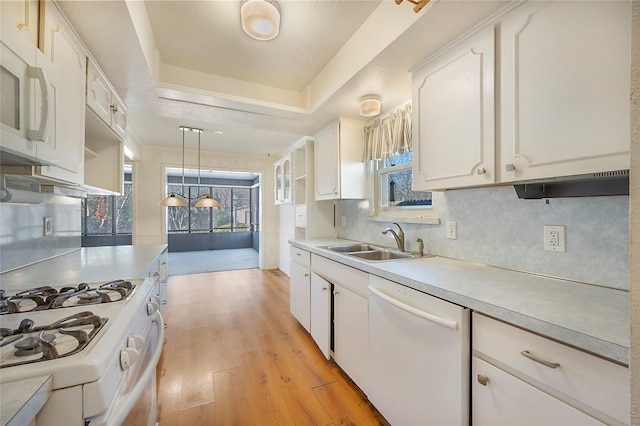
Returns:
(370, 106)
(260, 19)
(418, 4)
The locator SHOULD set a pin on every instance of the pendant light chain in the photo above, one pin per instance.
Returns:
(183, 130)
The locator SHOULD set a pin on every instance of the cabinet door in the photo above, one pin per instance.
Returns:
(300, 294)
(502, 399)
(286, 177)
(24, 15)
(351, 331)
(565, 89)
(327, 163)
(278, 182)
(321, 313)
(453, 102)
(98, 93)
(118, 117)
(65, 51)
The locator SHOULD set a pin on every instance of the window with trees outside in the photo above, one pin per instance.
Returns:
(109, 214)
(234, 214)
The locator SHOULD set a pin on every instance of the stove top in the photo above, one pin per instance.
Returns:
(31, 342)
(46, 297)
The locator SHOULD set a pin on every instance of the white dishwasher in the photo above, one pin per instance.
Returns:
(419, 357)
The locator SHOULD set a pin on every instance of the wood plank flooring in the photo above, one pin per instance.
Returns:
(234, 355)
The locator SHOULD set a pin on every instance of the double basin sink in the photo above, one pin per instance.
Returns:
(368, 252)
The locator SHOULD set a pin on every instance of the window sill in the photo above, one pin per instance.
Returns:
(399, 219)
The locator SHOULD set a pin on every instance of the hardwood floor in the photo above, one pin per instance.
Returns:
(234, 355)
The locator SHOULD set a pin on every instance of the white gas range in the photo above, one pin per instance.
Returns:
(100, 343)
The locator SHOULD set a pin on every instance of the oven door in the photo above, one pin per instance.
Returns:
(136, 402)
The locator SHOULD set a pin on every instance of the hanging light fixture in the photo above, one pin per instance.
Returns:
(207, 201)
(176, 200)
(260, 19)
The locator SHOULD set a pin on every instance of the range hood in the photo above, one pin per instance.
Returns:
(586, 185)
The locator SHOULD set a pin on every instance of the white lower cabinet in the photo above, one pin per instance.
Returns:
(321, 313)
(526, 379)
(300, 287)
(502, 399)
(300, 294)
(340, 316)
(351, 333)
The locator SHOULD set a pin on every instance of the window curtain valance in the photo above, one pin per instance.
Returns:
(389, 135)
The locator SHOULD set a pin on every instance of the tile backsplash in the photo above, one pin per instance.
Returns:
(494, 227)
(21, 231)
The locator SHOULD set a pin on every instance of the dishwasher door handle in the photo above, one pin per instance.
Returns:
(417, 312)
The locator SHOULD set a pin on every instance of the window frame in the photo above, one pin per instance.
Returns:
(407, 214)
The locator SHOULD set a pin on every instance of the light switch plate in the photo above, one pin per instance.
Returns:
(554, 238)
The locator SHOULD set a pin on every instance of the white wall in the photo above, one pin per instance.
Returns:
(149, 183)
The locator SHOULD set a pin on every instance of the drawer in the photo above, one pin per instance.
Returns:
(337, 273)
(598, 383)
(300, 256)
(301, 216)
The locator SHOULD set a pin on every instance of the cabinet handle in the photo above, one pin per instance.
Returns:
(298, 254)
(335, 292)
(528, 354)
(510, 167)
(114, 107)
(324, 289)
(483, 380)
(481, 171)
(306, 275)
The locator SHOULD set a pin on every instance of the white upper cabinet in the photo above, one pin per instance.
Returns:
(61, 46)
(561, 99)
(24, 15)
(565, 84)
(282, 175)
(104, 101)
(453, 102)
(339, 170)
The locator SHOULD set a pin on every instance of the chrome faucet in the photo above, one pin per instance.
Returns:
(398, 236)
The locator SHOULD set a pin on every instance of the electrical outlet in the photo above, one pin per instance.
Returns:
(554, 238)
(47, 226)
(452, 232)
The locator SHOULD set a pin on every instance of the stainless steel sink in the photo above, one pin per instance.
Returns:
(368, 252)
(381, 255)
(348, 248)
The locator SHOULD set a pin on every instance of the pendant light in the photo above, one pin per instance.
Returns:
(207, 201)
(176, 200)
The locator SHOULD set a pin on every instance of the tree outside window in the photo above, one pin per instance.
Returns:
(233, 215)
(108, 214)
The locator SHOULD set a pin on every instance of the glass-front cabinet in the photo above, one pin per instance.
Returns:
(282, 176)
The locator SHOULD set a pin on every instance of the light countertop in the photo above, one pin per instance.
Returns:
(88, 264)
(22, 400)
(589, 317)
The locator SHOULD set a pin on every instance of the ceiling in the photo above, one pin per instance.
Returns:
(181, 62)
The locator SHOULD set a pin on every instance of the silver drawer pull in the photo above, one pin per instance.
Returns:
(541, 361)
(483, 380)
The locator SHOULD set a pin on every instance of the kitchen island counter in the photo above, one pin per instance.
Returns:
(88, 264)
(586, 316)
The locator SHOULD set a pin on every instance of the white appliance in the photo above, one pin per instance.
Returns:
(27, 110)
(100, 342)
(419, 356)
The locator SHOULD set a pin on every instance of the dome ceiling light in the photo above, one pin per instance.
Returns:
(370, 106)
(260, 19)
